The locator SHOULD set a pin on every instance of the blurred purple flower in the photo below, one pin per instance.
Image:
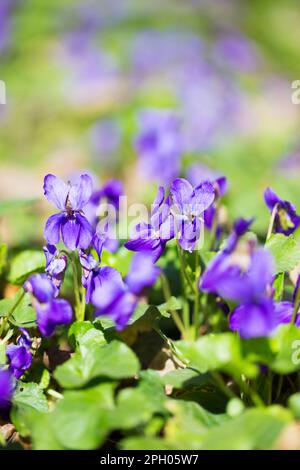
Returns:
(189, 204)
(105, 136)
(235, 51)
(6, 388)
(158, 145)
(286, 219)
(70, 199)
(50, 312)
(118, 299)
(19, 359)
(152, 238)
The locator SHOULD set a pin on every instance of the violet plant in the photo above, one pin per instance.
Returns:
(222, 301)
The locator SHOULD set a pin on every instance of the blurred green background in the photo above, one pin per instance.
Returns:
(78, 73)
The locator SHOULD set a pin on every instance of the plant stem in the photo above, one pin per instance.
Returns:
(11, 311)
(271, 223)
(167, 294)
(196, 304)
(256, 399)
(183, 268)
(79, 305)
(296, 304)
(221, 384)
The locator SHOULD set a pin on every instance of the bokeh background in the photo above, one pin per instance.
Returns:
(95, 84)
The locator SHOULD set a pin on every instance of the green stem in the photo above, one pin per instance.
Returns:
(11, 311)
(255, 398)
(79, 305)
(167, 295)
(296, 305)
(196, 304)
(271, 223)
(183, 268)
(221, 384)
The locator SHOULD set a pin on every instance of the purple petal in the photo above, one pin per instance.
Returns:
(253, 320)
(56, 191)
(181, 191)
(40, 286)
(20, 359)
(143, 273)
(54, 313)
(271, 199)
(6, 388)
(261, 270)
(203, 196)
(52, 228)
(85, 233)
(80, 192)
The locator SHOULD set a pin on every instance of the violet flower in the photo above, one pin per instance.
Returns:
(50, 311)
(199, 172)
(189, 205)
(56, 265)
(70, 223)
(6, 388)
(19, 359)
(118, 299)
(158, 146)
(152, 238)
(286, 219)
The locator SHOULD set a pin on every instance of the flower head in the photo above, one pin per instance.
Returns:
(152, 238)
(189, 205)
(158, 145)
(118, 299)
(19, 359)
(286, 219)
(70, 223)
(56, 265)
(50, 311)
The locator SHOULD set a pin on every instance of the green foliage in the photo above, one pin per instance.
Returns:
(114, 360)
(23, 315)
(24, 264)
(285, 251)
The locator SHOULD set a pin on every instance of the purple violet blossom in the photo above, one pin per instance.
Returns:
(199, 172)
(152, 238)
(189, 205)
(50, 311)
(158, 146)
(56, 265)
(118, 299)
(70, 223)
(286, 219)
(6, 388)
(19, 359)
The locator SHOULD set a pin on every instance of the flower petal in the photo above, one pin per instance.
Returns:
(143, 273)
(181, 191)
(253, 320)
(203, 196)
(80, 192)
(85, 233)
(54, 313)
(56, 191)
(52, 228)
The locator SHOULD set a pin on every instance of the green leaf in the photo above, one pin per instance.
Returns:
(82, 419)
(190, 422)
(278, 286)
(217, 352)
(27, 398)
(114, 360)
(166, 308)
(285, 251)
(144, 443)
(24, 264)
(30, 395)
(294, 404)
(254, 429)
(186, 378)
(3, 256)
(286, 343)
(24, 315)
(83, 335)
